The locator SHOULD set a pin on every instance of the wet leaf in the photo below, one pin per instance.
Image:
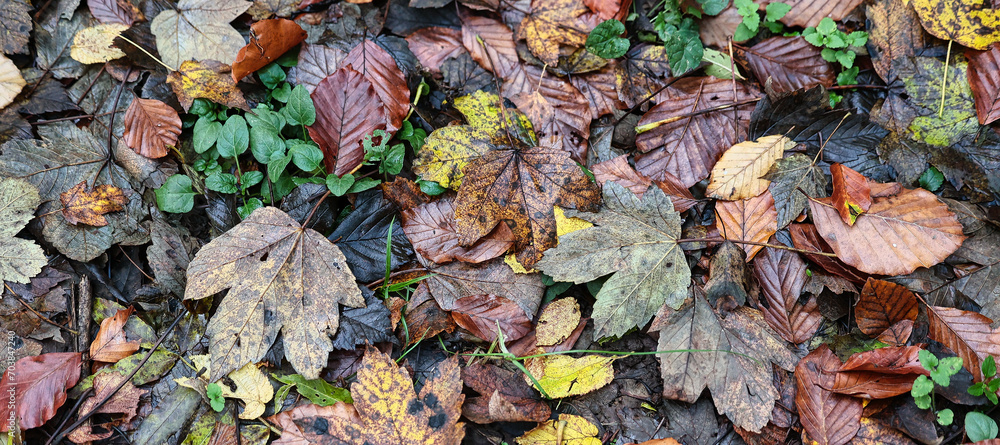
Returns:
(434, 45)
(753, 220)
(15, 27)
(110, 344)
(640, 74)
(299, 278)
(198, 30)
(150, 127)
(81, 205)
(894, 31)
(482, 315)
(347, 109)
(605, 40)
(600, 90)
(809, 12)
(291, 434)
(966, 333)
(558, 111)
(41, 384)
(634, 239)
(369, 324)
(883, 304)
(11, 81)
(362, 237)
(115, 11)
(737, 174)
(96, 44)
(851, 193)
(790, 62)
(431, 229)
(972, 23)
(454, 281)
(491, 44)
(123, 401)
(557, 321)
(551, 24)
(985, 82)
(504, 396)
(252, 387)
(20, 259)
(805, 237)
(727, 275)
(569, 429)
(827, 417)
(793, 180)
(379, 68)
(880, 373)
(564, 376)
(391, 412)
(208, 80)
(897, 235)
(782, 274)
(268, 41)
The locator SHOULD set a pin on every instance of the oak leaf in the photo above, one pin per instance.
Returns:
(269, 39)
(89, 206)
(20, 259)
(738, 173)
(637, 241)
(207, 79)
(150, 127)
(281, 277)
(41, 384)
(198, 30)
(391, 412)
(347, 109)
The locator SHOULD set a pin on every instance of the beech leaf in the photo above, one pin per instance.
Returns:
(150, 127)
(738, 173)
(41, 384)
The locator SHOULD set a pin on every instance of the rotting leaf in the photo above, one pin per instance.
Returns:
(269, 39)
(391, 412)
(553, 23)
(637, 241)
(124, 401)
(483, 315)
(562, 376)
(972, 23)
(557, 321)
(381, 70)
(20, 259)
(431, 229)
(198, 30)
(362, 237)
(81, 205)
(883, 304)
(41, 384)
(207, 79)
(826, 416)
(738, 173)
(457, 280)
(794, 179)
(96, 44)
(151, 126)
(504, 396)
(15, 27)
(281, 277)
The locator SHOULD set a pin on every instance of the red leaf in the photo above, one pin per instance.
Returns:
(347, 109)
(790, 62)
(491, 44)
(40, 384)
(966, 333)
(828, 418)
(433, 45)
(150, 126)
(481, 314)
(883, 304)
(378, 66)
(880, 373)
(984, 78)
(851, 194)
(269, 39)
(431, 230)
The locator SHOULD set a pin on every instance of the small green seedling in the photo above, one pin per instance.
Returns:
(923, 387)
(214, 392)
(748, 28)
(990, 384)
(837, 46)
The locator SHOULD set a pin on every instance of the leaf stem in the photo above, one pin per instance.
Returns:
(944, 79)
(147, 53)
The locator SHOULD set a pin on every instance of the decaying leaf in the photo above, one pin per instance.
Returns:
(198, 30)
(569, 429)
(431, 229)
(41, 384)
(15, 27)
(738, 173)
(391, 412)
(880, 373)
(483, 315)
(347, 109)
(505, 397)
(206, 79)
(150, 127)
(793, 179)
(851, 193)
(634, 239)
(782, 274)
(553, 23)
(110, 344)
(268, 41)
(81, 205)
(972, 23)
(434, 44)
(984, 78)
(827, 417)
(563, 376)
(20, 259)
(457, 280)
(883, 304)
(124, 401)
(96, 44)
(281, 277)
(291, 434)
(11, 81)
(727, 274)
(791, 63)
(753, 220)
(557, 321)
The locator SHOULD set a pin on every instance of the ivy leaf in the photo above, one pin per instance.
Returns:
(606, 41)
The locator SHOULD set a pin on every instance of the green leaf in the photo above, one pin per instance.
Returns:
(826, 26)
(280, 395)
(175, 196)
(234, 139)
(363, 184)
(922, 386)
(836, 41)
(745, 7)
(977, 389)
(775, 11)
(222, 183)
(318, 391)
(814, 38)
(857, 38)
(339, 185)
(300, 109)
(202, 107)
(282, 93)
(250, 179)
(721, 64)
(979, 426)
(393, 161)
(414, 136)
(932, 180)
(945, 417)
(752, 22)
(848, 76)
(992, 396)
(430, 187)
(684, 48)
(277, 166)
(271, 75)
(928, 360)
(743, 33)
(713, 7)
(846, 58)
(206, 132)
(829, 55)
(775, 27)
(263, 116)
(276, 189)
(265, 142)
(950, 366)
(606, 41)
(375, 152)
(245, 210)
(922, 402)
(214, 392)
(306, 157)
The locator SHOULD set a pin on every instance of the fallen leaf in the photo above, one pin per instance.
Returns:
(972, 23)
(619, 170)
(559, 112)
(483, 315)
(299, 278)
(874, 432)
(198, 30)
(89, 206)
(564, 376)
(782, 274)
(641, 74)
(568, 430)
(381, 70)
(252, 387)
(753, 220)
(20, 259)
(150, 127)
(391, 412)
(362, 237)
(424, 317)
(637, 241)
(316, 62)
(897, 334)
(894, 31)
(347, 109)
(727, 275)
(15, 27)
(269, 39)
(123, 401)
(791, 63)
(11, 81)
(360, 325)
(985, 83)
(491, 44)
(557, 321)
(41, 384)
(206, 79)
(454, 281)
(883, 304)
(966, 333)
(741, 387)
(738, 173)
(851, 193)
(504, 396)
(794, 179)
(434, 45)
(897, 235)
(600, 90)
(827, 417)
(809, 12)
(96, 44)
(880, 373)
(115, 11)
(431, 229)
(552, 24)
(805, 237)
(110, 344)
(291, 434)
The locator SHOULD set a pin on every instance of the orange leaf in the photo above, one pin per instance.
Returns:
(150, 126)
(898, 333)
(753, 219)
(966, 333)
(110, 345)
(883, 304)
(379, 68)
(40, 385)
(88, 207)
(347, 109)
(851, 194)
(269, 39)
(805, 237)
(828, 418)
(207, 79)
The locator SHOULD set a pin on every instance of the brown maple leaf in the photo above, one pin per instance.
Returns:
(88, 207)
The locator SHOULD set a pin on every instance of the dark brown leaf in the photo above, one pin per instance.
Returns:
(790, 62)
(883, 304)
(984, 78)
(895, 35)
(504, 396)
(558, 111)
(316, 62)
(828, 418)
(347, 109)
(781, 274)
(600, 90)
(424, 318)
(805, 237)
(966, 333)
(433, 45)
(380, 69)
(114, 11)
(809, 12)
(150, 127)
(455, 281)
(727, 274)
(482, 315)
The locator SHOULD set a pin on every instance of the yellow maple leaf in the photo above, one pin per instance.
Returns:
(567, 430)
(563, 376)
(96, 44)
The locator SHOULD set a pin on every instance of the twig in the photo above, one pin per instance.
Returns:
(321, 198)
(84, 306)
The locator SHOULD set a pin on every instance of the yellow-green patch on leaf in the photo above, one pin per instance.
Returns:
(563, 376)
(568, 430)
(96, 44)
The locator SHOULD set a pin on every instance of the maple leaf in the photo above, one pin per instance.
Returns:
(89, 206)
(637, 241)
(741, 387)
(20, 259)
(551, 23)
(971, 23)
(391, 412)
(198, 30)
(96, 44)
(281, 277)
(41, 384)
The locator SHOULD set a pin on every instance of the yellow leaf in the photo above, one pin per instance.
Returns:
(96, 44)
(252, 388)
(81, 205)
(11, 81)
(557, 322)
(568, 430)
(207, 79)
(551, 23)
(970, 23)
(566, 225)
(737, 174)
(563, 376)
